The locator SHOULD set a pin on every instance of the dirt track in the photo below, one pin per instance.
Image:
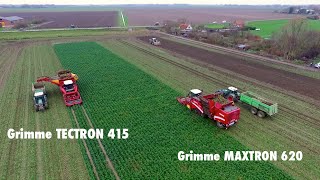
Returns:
(283, 79)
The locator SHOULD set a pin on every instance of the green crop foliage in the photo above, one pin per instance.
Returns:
(269, 27)
(117, 94)
(216, 26)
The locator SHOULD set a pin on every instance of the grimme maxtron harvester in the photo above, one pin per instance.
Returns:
(214, 106)
(67, 84)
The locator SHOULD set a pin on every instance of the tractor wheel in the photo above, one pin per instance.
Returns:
(220, 125)
(232, 97)
(36, 108)
(261, 114)
(254, 110)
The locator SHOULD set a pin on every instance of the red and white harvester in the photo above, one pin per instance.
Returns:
(67, 84)
(214, 106)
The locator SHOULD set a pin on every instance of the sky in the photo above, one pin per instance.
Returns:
(83, 2)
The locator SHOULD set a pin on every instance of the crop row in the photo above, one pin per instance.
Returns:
(117, 94)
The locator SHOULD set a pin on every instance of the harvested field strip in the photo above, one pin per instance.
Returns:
(272, 135)
(8, 58)
(155, 138)
(283, 79)
(36, 159)
(286, 66)
(59, 34)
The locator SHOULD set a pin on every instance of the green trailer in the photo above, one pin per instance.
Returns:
(259, 106)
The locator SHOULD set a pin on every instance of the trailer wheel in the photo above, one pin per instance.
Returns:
(254, 110)
(261, 114)
(220, 125)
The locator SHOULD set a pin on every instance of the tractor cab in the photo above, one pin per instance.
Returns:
(194, 93)
(40, 100)
(39, 97)
(231, 93)
(68, 85)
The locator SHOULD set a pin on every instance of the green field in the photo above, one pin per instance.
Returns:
(215, 26)
(119, 95)
(122, 22)
(268, 27)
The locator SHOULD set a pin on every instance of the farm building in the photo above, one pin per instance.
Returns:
(185, 27)
(10, 21)
(238, 23)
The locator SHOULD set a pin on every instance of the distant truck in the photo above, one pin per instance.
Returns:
(40, 100)
(259, 106)
(315, 65)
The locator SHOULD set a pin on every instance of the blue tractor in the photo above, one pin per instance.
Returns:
(231, 93)
(40, 100)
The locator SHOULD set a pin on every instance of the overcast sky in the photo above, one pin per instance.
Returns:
(82, 2)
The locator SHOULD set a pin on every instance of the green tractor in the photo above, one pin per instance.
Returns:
(40, 101)
(230, 93)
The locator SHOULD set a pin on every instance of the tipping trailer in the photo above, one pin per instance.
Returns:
(40, 101)
(259, 106)
(214, 106)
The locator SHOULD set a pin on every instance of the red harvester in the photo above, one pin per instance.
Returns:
(67, 84)
(214, 106)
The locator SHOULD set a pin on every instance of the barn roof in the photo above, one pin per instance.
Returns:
(183, 26)
(12, 18)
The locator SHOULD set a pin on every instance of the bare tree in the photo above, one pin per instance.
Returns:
(292, 39)
(170, 26)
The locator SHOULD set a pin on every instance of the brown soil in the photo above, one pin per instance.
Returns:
(286, 80)
(84, 19)
(195, 15)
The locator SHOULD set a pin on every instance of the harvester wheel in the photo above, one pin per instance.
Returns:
(220, 125)
(261, 114)
(254, 110)
(200, 113)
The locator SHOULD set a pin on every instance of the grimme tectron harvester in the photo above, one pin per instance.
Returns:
(67, 84)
